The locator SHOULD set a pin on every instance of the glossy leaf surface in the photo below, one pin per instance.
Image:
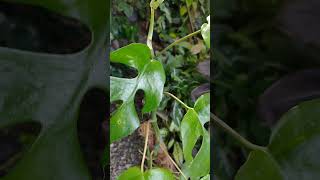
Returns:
(205, 31)
(293, 149)
(150, 79)
(134, 173)
(48, 88)
(192, 128)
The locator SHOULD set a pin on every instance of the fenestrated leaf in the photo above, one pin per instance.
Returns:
(48, 88)
(150, 79)
(134, 173)
(293, 152)
(192, 128)
(205, 32)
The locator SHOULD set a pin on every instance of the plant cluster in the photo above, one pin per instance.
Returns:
(191, 131)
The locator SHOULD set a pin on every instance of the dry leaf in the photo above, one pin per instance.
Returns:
(143, 132)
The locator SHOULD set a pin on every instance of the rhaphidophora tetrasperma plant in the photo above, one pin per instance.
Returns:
(151, 79)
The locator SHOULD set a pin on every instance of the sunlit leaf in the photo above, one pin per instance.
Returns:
(192, 128)
(150, 79)
(205, 32)
(134, 173)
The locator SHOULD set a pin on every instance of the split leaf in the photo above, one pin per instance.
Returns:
(150, 79)
(192, 128)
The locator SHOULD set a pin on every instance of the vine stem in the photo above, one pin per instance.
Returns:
(179, 41)
(145, 146)
(151, 26)
(177, 99)
(234, 134)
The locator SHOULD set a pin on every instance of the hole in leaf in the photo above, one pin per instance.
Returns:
(139, 103)
(92, 131)
(123, 71)
(37, 29)
(197, 147)
(14, 142)
(207, 125)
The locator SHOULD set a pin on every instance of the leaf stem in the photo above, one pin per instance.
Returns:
(177, 99)
(179, 40)
(150, 33)
(233, 133)
(159, 139)
(145, 147)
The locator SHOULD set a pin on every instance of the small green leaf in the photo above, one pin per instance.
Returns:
(158, 174)
(150, 79)
(178, 153)
(192, 128)
(293, 152)
(205, 32)
(189, 3)
(134, 173)
(176, 114)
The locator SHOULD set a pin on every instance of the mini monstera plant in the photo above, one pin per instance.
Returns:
(151, 80)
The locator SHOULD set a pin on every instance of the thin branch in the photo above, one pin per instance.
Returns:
(177, 99)
(150, 33)
(234, 134)
(179, 41)
(145, 147)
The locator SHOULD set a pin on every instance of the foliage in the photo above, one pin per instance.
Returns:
(48, 88)
(192, 128)
(134, 173)
(185, 131)
(294, 144)
(151, 79)
(251, 52)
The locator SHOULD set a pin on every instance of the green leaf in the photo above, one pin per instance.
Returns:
(207, 177)
(189, 3)
(134, 173)
(150, 79)
(176, 114)
(202, 108)
(205, 32)
(293, 152)
(192, 128)
(178, 153)
(259, 164)
(126, 8)
(48, 88)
